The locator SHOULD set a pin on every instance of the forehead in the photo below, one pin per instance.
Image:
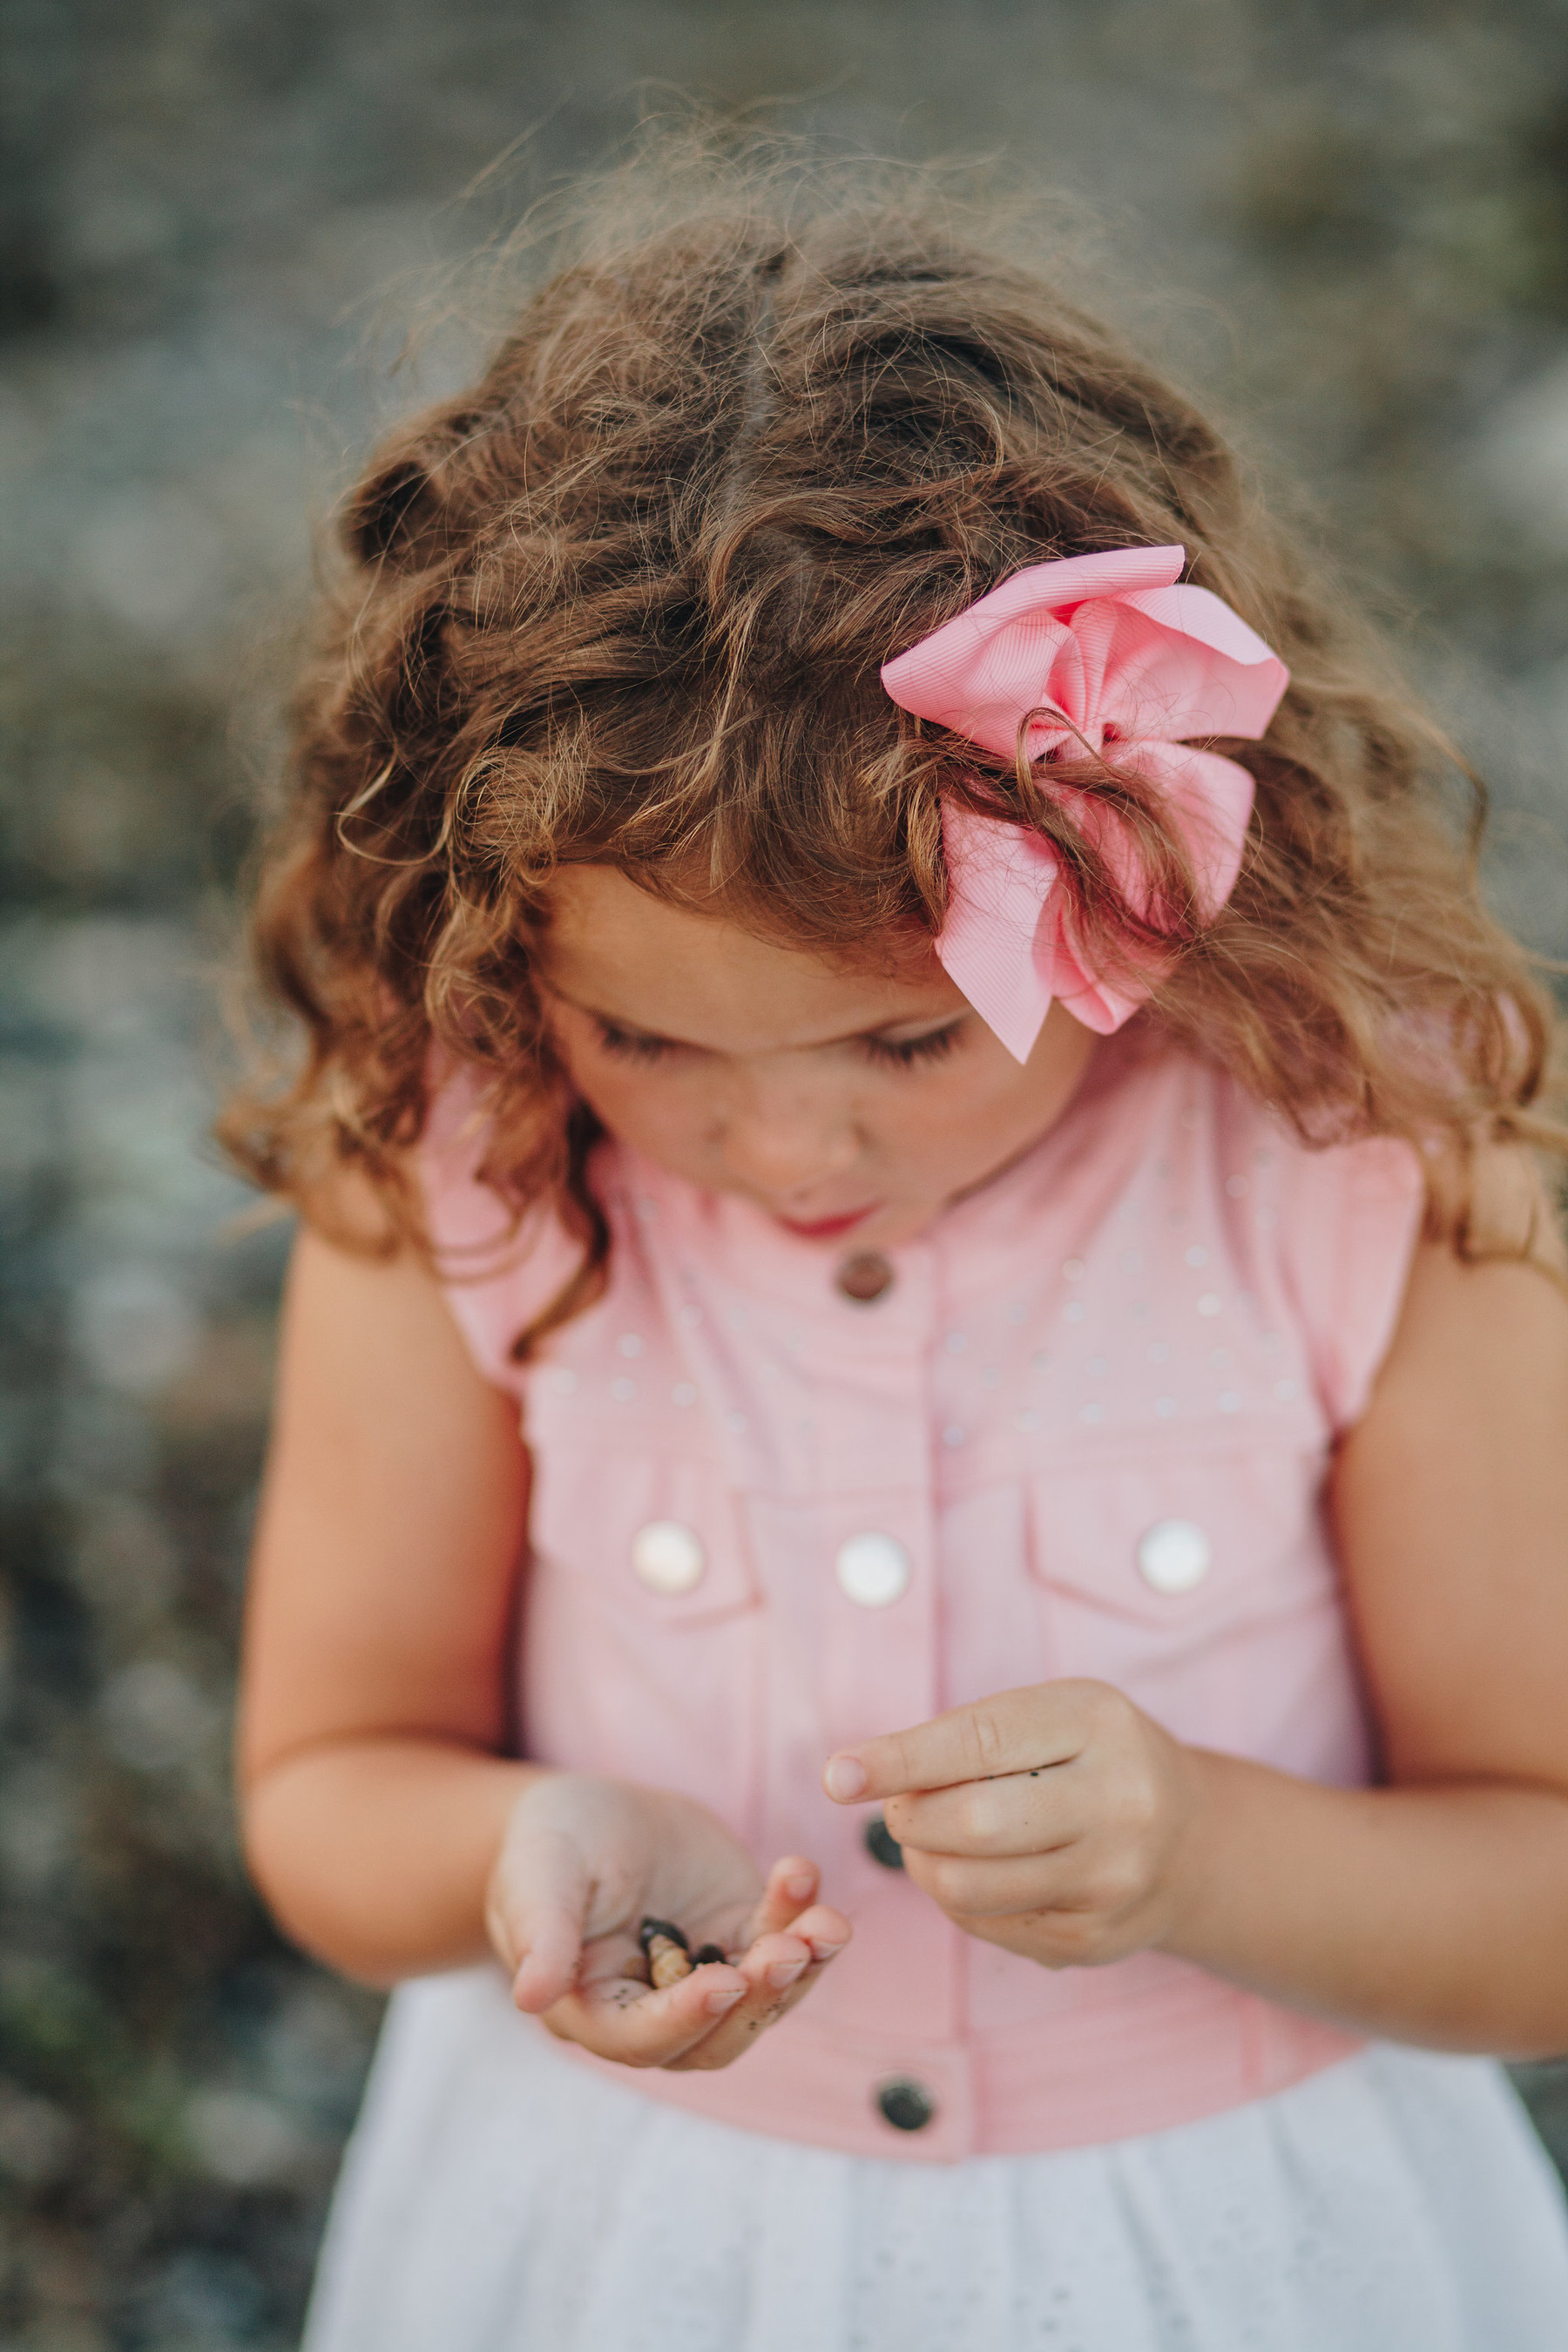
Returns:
(705, 980)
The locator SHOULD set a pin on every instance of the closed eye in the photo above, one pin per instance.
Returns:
(634, 1045)
(639, 1046)
(905, 1053)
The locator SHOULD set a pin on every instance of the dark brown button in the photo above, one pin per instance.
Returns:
(882, 1845)
(865, 1278)
(906, 2104)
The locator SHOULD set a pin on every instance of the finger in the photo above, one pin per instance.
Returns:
(968, 1889)
(824, 1930)
(780, 1972)
(1015, 1731)
(790, 1888)
(538, 1907)
(1019, 1813)
(618, 2019)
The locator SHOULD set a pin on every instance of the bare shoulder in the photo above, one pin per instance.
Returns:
(364, 1310)
(365, 1320)
(1491, 1306)
(1450, 1497)
(393, 1516)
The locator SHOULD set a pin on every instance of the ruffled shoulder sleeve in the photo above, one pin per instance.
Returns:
(496, 1275)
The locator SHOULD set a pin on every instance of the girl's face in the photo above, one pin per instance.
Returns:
(845, 1101)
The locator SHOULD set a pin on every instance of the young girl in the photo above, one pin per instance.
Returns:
(924, 1348)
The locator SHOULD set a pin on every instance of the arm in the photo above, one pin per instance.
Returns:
(374, 1700)
(1434, 1909)
(384, 1823)
(1450, 1501)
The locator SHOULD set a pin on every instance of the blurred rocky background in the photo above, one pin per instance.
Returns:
(1348, 222)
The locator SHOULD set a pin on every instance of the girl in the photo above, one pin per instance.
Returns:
(923, 1348)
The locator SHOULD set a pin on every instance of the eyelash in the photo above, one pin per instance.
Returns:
(912, 1050)
(626, 1045)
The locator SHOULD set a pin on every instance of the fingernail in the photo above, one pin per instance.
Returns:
(820, 1951)
(721, 1998)
(801, 1886)
(844, 1779)
(785, 1972)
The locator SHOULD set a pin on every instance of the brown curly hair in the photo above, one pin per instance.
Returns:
(627, 601)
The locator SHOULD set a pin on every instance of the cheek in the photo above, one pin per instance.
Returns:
(653, 1110)
(611, 1088)
(963, 1118)
(630, 1102)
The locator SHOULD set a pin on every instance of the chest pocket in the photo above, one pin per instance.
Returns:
(657, 1540)
(640, 1625)
(1202, 1584)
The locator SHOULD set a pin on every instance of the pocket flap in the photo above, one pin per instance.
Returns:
(1230, 1533)
(646, 1534)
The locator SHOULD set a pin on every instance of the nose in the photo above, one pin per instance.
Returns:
(785, 1139)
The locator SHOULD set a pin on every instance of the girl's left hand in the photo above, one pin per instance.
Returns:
(1054, 1820)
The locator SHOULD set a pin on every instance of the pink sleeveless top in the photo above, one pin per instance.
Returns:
(1083, 1431)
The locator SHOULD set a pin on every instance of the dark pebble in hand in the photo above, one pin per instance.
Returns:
(665, 1927)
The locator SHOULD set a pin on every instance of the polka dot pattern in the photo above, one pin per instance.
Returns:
(1082, 1431)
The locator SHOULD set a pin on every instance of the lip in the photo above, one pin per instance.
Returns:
(827, 1229)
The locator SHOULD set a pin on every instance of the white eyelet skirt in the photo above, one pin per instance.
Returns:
(496, 2198)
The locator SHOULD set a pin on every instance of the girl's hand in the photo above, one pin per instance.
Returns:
(1053, 1820)
(585, 1860)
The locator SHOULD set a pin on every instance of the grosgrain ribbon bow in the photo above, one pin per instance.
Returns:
(1109, 654)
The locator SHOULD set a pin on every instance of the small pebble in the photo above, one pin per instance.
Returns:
(667, 1952)
(666, 1963)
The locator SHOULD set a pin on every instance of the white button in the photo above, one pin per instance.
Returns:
(872, 1570)
(666, 1557)
(1174, 1556)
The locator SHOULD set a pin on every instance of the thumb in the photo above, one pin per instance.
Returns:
(538, 1903)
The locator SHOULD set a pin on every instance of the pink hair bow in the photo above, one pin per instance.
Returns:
(1108, 654)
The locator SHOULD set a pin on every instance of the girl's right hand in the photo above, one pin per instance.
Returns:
(585, 1860)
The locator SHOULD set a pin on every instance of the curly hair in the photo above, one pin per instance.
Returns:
(625, 601)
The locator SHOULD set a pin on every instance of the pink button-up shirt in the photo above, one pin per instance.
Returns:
(1084, 1431)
